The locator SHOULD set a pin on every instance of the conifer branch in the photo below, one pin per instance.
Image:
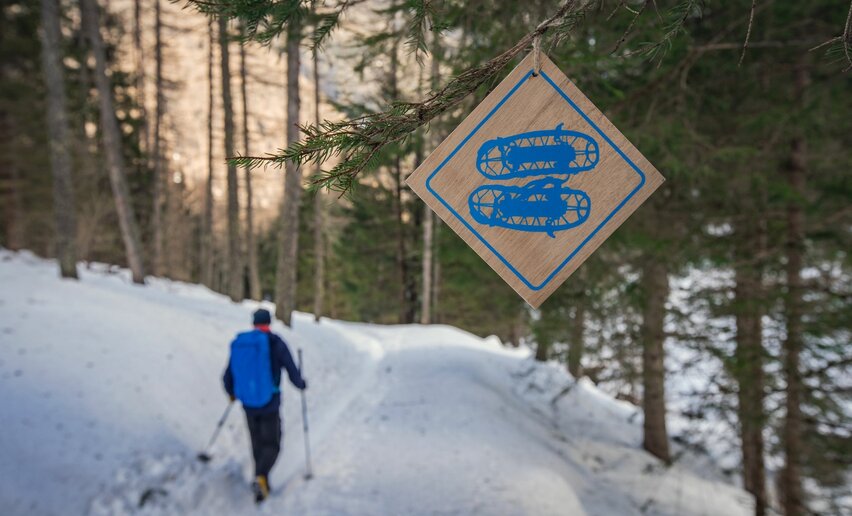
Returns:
(358, 141)
(844, 39)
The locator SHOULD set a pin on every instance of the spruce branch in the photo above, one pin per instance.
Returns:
(359, 141)
(266, 20)
(679, 14)
(844, 39)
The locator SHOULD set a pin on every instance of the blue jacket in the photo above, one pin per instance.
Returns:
(280, 358)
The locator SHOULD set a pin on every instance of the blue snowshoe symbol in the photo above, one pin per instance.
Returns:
(544, 205)
(537, 153)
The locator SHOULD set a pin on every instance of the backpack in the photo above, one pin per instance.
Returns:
(251, 368)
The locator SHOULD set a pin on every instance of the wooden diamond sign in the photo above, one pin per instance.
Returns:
(535, 179)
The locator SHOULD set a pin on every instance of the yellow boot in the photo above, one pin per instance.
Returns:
(260, 488)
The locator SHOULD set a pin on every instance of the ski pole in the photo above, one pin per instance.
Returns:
(308, 473)
(204, 456)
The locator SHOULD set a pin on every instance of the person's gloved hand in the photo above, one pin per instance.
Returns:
(232, 398)
(304, 384)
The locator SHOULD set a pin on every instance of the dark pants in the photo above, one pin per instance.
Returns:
(265, 431)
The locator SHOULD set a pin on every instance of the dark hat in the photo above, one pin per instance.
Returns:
(261, 317)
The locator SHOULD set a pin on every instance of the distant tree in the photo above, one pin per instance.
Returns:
(288, 239)
(792, 490)
(234, 269)
(139, 55)
(112, 143)
(57, 125)
(428, 217)
(159, 180)
(207, 241)
(319, 218)
(251, 244)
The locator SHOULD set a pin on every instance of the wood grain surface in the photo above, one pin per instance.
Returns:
(534, 263)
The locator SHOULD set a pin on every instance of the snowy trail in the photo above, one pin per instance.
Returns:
(434, 406)
(110, 389)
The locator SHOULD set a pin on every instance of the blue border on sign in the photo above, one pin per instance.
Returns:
(573, 253)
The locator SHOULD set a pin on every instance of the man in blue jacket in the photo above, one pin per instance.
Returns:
(253, 376)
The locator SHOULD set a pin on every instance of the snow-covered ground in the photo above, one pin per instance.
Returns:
(108, 390)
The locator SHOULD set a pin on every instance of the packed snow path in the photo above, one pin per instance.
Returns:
(435, 432)
(110, 389)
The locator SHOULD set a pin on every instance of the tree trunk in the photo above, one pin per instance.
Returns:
(234, 267)
(436, 275)
(158, 174)
(251, 246)
(288, 239)
(577, 344)
(58, 140)
(655, 284)
(319, 224)
(748, 366)
(144, 144)
(405, 314)
(792, 493)
(428, 216)
(207, 218)
(13, 209)
(542, 350)
(112, 144)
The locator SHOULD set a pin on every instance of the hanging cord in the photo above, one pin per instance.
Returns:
(536, 55)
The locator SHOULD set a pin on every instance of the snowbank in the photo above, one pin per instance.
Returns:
(110, 389)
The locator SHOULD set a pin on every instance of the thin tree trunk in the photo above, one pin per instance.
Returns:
(207, 220)
(89, 170)
(748, 367)
(57, 126)
(428, 238)
(251, 246)
(319, 224)
(792, 493)
(436, 275)
(401, 252)
(156, 157)
(144, 144)
(577, 343)
(234, 266)
(428, 216)
(112, 144)
(14, 208)
(655, 290)
(288, 239)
